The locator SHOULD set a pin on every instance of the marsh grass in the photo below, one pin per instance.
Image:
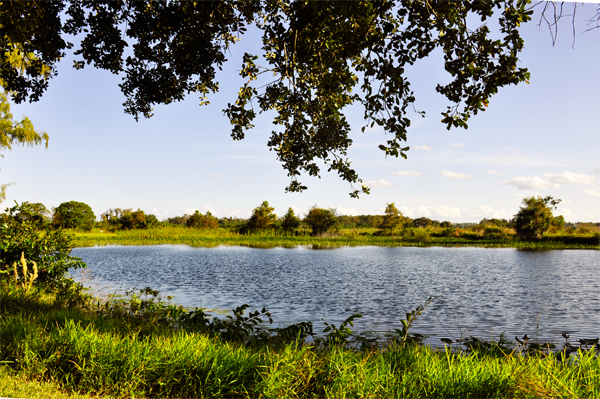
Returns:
(94, 352)
(345, 237)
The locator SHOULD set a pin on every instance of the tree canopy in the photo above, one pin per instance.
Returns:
(290, 221)
(321, 220)
(392, 219)
(262, 217)
(200, 221)
(74, 215)
(535, 217)
(14, 132)
(323, 57)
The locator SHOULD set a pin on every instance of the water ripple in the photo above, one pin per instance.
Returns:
(483, 291)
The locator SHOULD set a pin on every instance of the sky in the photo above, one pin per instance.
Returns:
(541, 138)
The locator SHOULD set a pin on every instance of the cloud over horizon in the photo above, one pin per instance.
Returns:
(443, 211)
(530, 183)
(422, 147)
(453, 175)
(407, 173)
(569, 178)
(457, 145)
(378, 183)
(591, 192)
(550, 180)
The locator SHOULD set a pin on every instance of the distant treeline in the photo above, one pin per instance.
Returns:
(318, 221)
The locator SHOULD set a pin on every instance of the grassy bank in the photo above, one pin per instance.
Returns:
(122, 350)
(347, 237)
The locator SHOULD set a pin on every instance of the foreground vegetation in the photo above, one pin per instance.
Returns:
(344, 237)
(144, 348)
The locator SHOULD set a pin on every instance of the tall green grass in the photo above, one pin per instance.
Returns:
(271, 239)
(97, 353)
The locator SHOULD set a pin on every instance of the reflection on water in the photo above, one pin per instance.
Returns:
(483, 291)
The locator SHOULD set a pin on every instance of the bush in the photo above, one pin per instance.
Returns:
(290, 221)
(49, 249)
(535, 218)
(416, 235)
(320, 220)
(450, 231)
(493, 232)
(73, 215)
(133, 220)
(200, 221)
(262, 217)
(392, 219)
(421, 222)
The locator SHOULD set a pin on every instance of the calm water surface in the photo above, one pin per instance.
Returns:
(483, 291)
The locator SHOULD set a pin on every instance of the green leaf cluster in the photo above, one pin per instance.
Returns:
(262, 217)
(200, 221)
(50, 249)
(535, 218)
(392, 219)
(290, 221)
(321, 220)
(74, 215)
(127, 219)
(318, 58)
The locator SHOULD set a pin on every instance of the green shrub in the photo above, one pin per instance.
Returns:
(73, 215)
(416, 235)
(535, 218)
(49, 249)
(321, 220)
(200, 221)
(290, 221)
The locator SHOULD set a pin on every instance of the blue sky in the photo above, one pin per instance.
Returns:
(536, 139)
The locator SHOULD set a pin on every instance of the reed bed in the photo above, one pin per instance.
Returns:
(105, 354)
(271, 239)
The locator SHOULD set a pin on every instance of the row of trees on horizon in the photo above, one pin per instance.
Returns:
(533, 219)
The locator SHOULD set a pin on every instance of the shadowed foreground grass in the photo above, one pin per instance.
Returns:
(50, 347)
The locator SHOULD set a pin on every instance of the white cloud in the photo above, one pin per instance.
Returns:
(156, 212)
(440, 212)
(216, 176)
(211, 210)
(346, 211)
(422, 211)
(494, 172)
(502, 157)
(591, 192)
(569, 178)
(378, 183)
(567, 213)
(591, 216)
(531, 183)
(453, 175)
(447, 212)
(457, 145)
(484, 211)
(597, 171)
(236, 213)
(529, 194)
(422, 147)
(407, 173)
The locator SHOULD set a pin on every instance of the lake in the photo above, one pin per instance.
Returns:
(483, 291)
